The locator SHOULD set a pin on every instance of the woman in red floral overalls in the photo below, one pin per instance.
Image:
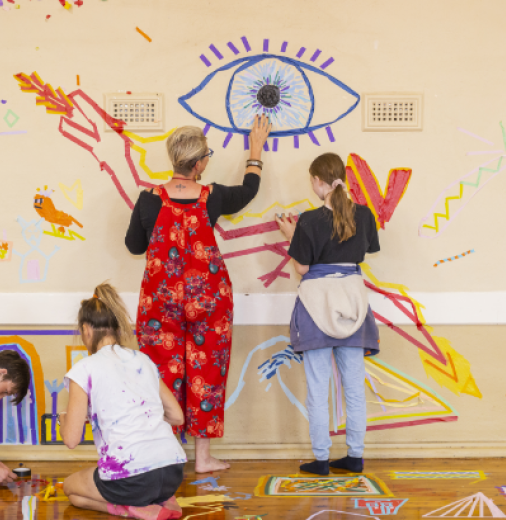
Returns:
(184, 321)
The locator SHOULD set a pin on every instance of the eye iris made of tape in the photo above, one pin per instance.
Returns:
(269, 96)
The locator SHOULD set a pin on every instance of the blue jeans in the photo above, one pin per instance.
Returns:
(318, 368)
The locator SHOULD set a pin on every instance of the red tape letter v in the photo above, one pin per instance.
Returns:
(397, 184)
(364, 188)
(369, 184)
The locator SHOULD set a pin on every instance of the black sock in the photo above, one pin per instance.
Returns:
(319, 467)
(353, 464)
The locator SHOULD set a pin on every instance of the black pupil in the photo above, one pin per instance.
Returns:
(269, 96)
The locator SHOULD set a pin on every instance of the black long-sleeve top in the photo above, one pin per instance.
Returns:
(224, 200)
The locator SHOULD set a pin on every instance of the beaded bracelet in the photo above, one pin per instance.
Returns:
(251, 162)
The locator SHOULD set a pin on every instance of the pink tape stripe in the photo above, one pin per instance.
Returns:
(401, 424)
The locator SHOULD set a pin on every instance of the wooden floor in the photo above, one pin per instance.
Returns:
(424, 495)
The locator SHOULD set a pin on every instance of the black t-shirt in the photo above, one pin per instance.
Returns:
(224, 200)
(312, 243)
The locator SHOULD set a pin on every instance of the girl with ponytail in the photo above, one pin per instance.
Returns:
(131, 412)
(332, 316)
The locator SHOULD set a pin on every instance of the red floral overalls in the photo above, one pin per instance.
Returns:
(184, 321)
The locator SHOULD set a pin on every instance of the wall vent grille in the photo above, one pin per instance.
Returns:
(392, 112)
(139, 111)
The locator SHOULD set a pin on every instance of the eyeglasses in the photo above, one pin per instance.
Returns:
(210, 154)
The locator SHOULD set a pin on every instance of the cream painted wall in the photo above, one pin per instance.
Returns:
(448, 51)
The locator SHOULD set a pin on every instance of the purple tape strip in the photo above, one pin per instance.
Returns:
(216, 52)
(301, 52)
(246, 142)
(332, 139)
(207, 63)
(245, 43)
(266, 146)
(296, 141)
(266, 45)
(315, 55)
(20, 423)
(54, 398)
(206, 129)
(56, 507)
(284, 46)
(183, 438)
(15, 132)
(232, 47)
(37, 332)
(227, 139)
(327, 63)
(313, 138)
(275, 145)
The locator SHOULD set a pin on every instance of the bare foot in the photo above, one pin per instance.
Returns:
(173, 506)
(210, 464)
(152, 512)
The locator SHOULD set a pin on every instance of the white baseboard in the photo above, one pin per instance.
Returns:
(451, 308)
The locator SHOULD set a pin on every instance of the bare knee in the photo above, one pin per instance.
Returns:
(77, 501)
(67, 487)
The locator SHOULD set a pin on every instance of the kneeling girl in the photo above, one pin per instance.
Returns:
(131, 412)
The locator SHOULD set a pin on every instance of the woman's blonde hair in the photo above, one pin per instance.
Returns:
(329, 167)
(186, 146)
(106, 314)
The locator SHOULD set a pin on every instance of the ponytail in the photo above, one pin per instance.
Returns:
(329, 168)
(344, 214)
(106, 314)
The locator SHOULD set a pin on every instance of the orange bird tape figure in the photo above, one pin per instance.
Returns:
(45, 208)
(365, 189)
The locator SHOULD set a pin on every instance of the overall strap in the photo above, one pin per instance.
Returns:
(162, 193)
(204, 194)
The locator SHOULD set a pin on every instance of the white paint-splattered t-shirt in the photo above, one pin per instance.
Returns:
(126, 412)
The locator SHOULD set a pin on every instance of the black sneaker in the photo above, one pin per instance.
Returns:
(353, 464)
(318, 467)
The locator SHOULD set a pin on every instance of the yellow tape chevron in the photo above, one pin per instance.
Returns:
(163, 175)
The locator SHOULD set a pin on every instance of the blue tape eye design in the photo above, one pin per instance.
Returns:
(278, 86)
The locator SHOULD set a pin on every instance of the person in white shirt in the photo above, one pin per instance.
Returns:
(131, 411)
